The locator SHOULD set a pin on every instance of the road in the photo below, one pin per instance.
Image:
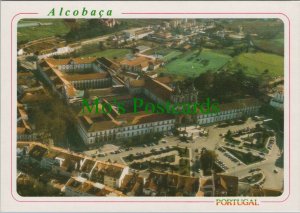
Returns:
(104, 38)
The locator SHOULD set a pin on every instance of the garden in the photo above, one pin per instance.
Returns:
(196, 62)
(246, 158)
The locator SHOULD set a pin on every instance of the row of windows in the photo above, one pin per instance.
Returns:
(251, 109)
(91, 81)
(74, 66)
(218, 118)
(128, 134)
(148, 125)
(112, 131)
(214, 119)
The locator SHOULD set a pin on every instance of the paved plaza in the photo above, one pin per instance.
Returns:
(211, 142)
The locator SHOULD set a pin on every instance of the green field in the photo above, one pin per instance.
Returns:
(256, 63)
(275, 45)
(192, 64)
(57, 28)
(109, 53)
(172, 54)
(159, 51)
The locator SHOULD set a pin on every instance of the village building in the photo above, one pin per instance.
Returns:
(218, 185)
(46, 47)
(140, 63)
(30, 92)
(132, 185)
(62, 162)
(139, 34)
(168, 184)
(78, 186)
(259, 191)
(161, 36)
(24, 129)
(109, 174)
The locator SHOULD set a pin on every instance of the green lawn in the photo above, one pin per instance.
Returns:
(160, 51)
(109, 53)
(57, 28)
(256, 63)
(275, 45)
(172, 54)
(191, 64)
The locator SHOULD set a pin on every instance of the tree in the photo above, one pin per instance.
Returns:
(248, 155)
(185, 150)
(258, 127)
(244, 117)
(207, 159)
(53, 117)
(228, 135)
(101, 45)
